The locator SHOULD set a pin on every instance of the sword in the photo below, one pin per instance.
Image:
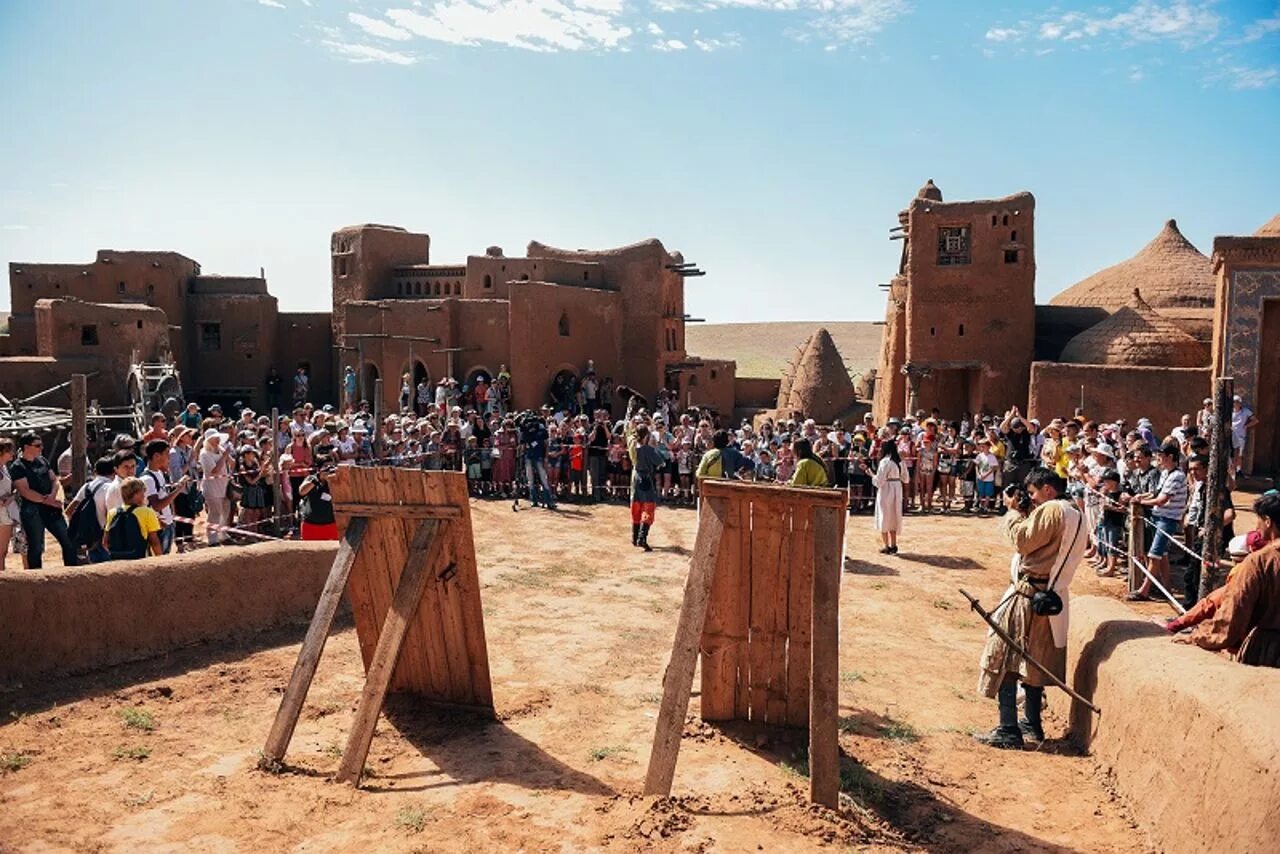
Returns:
(1004, 636)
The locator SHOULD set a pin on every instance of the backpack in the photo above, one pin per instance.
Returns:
(84, 528)
(124, 535)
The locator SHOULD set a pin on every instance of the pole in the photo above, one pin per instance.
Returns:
(277, 494)
(1017, 647)
(79, 431)
(377, 417)
(1082, 397)
(363, 393)
(1215, 488)
(1137, 536)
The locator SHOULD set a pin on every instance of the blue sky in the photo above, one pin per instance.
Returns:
(772, 141)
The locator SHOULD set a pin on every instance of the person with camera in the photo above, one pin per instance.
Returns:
(1048, 536)
(315, 503)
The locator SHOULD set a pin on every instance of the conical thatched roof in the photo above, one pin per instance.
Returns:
(1169, 270)
(818, 384)
(1271, 229)
(1136, 335)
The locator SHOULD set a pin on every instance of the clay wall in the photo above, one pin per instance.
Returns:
(891, 386)
(982, 311)
(713, 384)
(149, 278)
(68, 620)
(1161, 394)
(388, 359)
(500, 271)
(649, 292)
(540, 347)
(231, 341)
(755, 392)
(483, 324)
(69, 327)
(424, 280)
(1188, 736)
(364, 259)
(304, 338)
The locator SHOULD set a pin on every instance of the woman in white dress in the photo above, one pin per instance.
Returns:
(888, 483)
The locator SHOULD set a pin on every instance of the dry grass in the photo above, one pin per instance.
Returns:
(763, 349)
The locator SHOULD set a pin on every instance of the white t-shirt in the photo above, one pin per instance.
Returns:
(156, 483)
(99, 486)
(986, 463)
(111, 495)
(1239, 418)
(214, 484)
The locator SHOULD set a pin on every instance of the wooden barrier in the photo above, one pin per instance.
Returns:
(407, 562)
(761, 605)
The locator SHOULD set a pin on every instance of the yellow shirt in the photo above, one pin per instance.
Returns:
(809, 473)
(148, 521)
(712, 464)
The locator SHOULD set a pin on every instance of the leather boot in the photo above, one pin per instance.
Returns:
(635, 534)
(1007, 735)
(1030, 725)
(643, 542)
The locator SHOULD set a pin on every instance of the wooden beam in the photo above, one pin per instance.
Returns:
(747, 491)
(425, 549)
(79, 432)
(1215, 488)
(313, 646)
(401, 511)
(824, 683)
(677, 682)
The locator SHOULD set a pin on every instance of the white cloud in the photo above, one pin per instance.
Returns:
(1003, 34)
(653, 29)
(379, 28)
(1136, 73)
(1246, 78)
(363, 53)
(539, 25)
(1262, 28)
(13, 228)
(670, 45)
(848, 21)
(710, 45)
(1184, 22)
(274, 4)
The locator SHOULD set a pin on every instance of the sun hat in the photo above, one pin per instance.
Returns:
(1105, 449)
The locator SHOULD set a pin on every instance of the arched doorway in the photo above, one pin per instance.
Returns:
(370, 379)
(420, 375)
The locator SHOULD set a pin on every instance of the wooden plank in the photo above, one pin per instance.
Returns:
(313, 645)
(423, 553)
(446, 608)
(421, 670)
(824, 700)
(724, 634)
(465, 587)
(767, 519)
(811, 497)
(776, 695)
(402, 511)
(677, 681)
(742, 690)
(799, 616)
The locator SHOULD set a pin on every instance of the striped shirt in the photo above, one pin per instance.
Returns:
(1173, 484)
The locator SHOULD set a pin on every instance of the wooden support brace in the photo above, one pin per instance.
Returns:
(401, 511)
(313, 646)
(824, 690)
(677, 682)
(424, 552)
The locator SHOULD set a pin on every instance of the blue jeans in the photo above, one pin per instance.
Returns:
(1165, 529)
(166, 539)
(35, 520)
(540, 466)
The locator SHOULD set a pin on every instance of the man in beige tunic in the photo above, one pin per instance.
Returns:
(1048, 539)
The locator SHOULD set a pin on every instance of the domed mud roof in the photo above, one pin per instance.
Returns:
(1169, 270)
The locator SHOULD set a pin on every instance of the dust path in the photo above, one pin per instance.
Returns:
(579, 626)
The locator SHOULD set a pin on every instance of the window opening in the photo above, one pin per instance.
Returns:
(488, 281)
(119, 287)
(89, 335)
(1011, 256)
(962, 330)
(211, 336)
(953, 245)
(564, 324)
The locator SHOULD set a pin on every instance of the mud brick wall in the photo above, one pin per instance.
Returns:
(1110, 392)
(69, 620)
(1188, 735)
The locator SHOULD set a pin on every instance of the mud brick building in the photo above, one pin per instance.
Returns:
(1144, 337)
(543, 315)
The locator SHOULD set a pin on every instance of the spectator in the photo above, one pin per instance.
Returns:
(8, 499)
(1242, 421)
(215, 463)
(132, 529)
(41, 510)
(1168, 505)
(301, 386)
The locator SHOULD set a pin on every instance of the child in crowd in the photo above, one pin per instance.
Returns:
(765, 469)
(985, 465)
(578, 464)
(1111, 524)
(486, 466)
(471, 459)
(684, 465)
(615, 476)
(133, 529)
(785, 465)
(966, 474)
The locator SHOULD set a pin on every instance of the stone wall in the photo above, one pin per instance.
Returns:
(1161, 394)
(68, 620)
(1190, 737)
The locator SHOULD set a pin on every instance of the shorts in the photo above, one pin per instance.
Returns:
(966, 488)
(986, 489)
(1165, 529)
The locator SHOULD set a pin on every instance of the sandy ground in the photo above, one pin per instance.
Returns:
(579, 629)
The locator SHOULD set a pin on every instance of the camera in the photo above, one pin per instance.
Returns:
(1017, 492)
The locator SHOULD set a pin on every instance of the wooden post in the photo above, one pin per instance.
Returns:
(79, 432)
(313, 646)
(677, 682)
(377, 417)
(824, 686)
(424, 551)
(1215, 487)
(1137, 536)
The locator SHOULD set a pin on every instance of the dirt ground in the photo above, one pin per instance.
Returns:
(162, 755)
